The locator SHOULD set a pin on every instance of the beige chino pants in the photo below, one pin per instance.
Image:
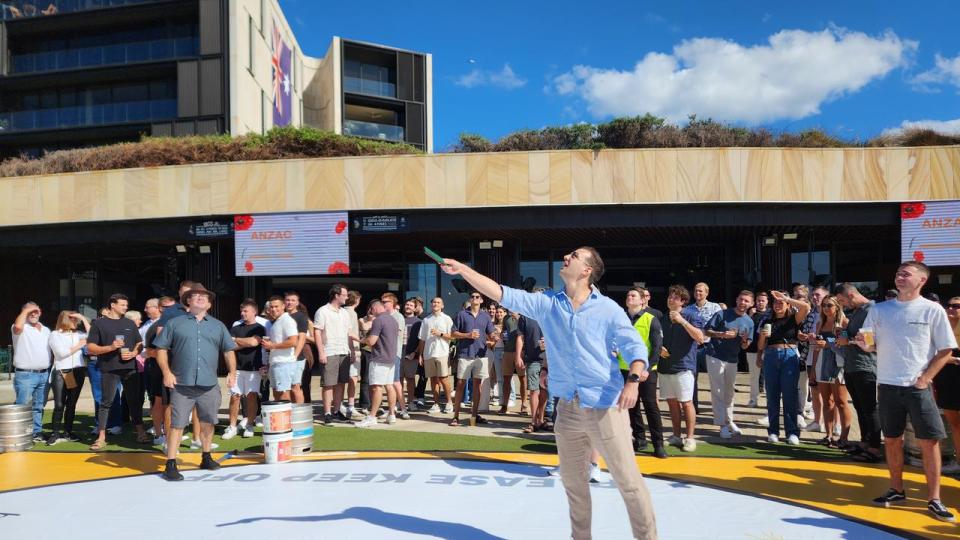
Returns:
(578, 430)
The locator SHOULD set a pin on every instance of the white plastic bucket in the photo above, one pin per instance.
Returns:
(276, 416)
(277, 447)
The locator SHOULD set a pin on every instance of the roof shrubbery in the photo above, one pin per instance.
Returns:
(649, 131)
(278, 143)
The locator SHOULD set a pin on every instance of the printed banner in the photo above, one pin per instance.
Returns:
(930, 232)
(282, 79)
(292, 244)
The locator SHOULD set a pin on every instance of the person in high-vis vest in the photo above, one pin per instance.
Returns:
(648, 326)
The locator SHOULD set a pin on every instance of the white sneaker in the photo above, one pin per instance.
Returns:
(726, 432)
(242, 423)
(773, 439)
(369, 421)
(160, 441)
(184, 437)
(689, 445)
(801, 421)
(405, 415)
(673, 440)
(247, 433)
(763, 421)
(793, 440)
(258, 422)
(808, 414)
(229, 433)
(115, 430)
(836, 430)
(435, 409)
(814, 426)
(595, 474)
(343, 409)
(350, 412)
(735, 428)
(447, 409)
(392, 419)
(511, 404)
(151, 431)
(195, 445)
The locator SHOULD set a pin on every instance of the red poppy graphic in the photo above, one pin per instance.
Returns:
(912, 210)
(242, 223)
(339, 267)
(248, 266)
(341, 226)
(918, 256)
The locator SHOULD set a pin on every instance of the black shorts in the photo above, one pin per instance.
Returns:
(898, 402)
(155, 387)
(947, 387)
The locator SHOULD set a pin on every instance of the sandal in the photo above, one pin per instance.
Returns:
(481, 420)
(98, 446)
(826, 441)
(530, 429)
(454, 423)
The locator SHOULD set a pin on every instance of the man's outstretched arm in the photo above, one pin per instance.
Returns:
(484, 285)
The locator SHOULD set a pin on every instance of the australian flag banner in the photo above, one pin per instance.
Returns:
(282, 81)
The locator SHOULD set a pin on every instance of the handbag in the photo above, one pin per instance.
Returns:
(68, 379)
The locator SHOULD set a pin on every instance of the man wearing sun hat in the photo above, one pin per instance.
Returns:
(188, 351)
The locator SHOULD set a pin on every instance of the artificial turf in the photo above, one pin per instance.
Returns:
(386, 439)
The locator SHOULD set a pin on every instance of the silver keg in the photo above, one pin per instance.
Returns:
(16, 428)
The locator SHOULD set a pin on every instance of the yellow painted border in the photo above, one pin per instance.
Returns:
(840, 488)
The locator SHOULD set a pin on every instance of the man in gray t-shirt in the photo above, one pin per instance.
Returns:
(382, 340)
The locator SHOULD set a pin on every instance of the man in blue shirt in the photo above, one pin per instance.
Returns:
(678, 365)
(582, 326)
(731, 331)
(471, 328)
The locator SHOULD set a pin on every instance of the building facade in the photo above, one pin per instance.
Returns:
(90, 72)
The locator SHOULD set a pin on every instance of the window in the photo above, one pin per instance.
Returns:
(250, 45)
(800, 271)
(422, 281)
(534, 275)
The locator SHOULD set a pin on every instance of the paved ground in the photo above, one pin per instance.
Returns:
(513, 423)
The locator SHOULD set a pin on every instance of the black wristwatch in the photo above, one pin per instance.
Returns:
(633, 377)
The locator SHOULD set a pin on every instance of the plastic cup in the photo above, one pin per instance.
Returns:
(867, 336)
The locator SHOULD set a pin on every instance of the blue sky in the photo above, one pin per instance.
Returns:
(852, 68)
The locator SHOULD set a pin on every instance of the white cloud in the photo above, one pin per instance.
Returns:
(789, 77)
(505, 78)
(947, 127)
(946, 70)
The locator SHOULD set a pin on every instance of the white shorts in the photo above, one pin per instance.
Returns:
(380, 373)
(355, 368)
(248, 382)
(477, 368)
(283, 375)
(677, 386)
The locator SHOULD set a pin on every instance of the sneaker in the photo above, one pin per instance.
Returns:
(368, 421)
(735, 429)
(808, 414)
(773, 439)
(247, 433)
(392, 419)
(405, 415)
(229, 433)
(381, 412)
(689, 445)
(208, 463)
(70, 437)
(435, 409)
(950, 468)
(752, 403)
(350, 412)
(342, 410)
(511, 404)
(54, 438)
(171, 473)
(659, 451)
(940, 511)
(328, 419)
(412, 406)
(258, 422)
(160, 441)
(195, 445)
(151, 431)
(814, 426)
(837, 430)
(420, 404)
(763, 421)
(115, 430)
(793, 440)
(38, 438)
(340, 417)
(595, 474)
(801, 422)
(726, 432)
(892, 496)
(242, 424)
(675, 441)
(447, 409)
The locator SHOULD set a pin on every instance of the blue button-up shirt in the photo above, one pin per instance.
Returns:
(195, 347)
(579, 343)
(466, 323)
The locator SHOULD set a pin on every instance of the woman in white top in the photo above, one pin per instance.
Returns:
(69, 371)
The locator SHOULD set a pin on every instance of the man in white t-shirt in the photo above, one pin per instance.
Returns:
(331, 328)
(913, 340)
(281, 343)
(31, 362)
(434, 353)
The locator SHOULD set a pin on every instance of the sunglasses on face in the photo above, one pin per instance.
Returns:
(475, 296)
(953, 306)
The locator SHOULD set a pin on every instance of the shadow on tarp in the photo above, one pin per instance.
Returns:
(469, 462)
(389, 520)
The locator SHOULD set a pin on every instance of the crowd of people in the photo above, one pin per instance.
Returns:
(812, 352)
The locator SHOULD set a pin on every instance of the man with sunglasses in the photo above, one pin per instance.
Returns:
(581, 325)
(472, 328)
